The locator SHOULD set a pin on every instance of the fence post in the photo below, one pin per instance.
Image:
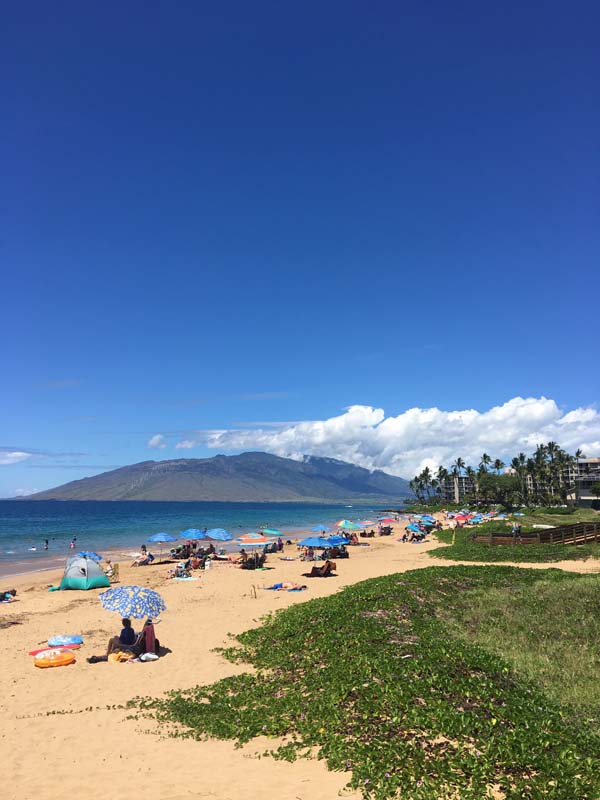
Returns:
(539, 540)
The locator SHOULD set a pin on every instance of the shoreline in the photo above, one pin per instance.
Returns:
(18, 567)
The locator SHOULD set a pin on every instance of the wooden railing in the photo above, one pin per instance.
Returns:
(581, 533)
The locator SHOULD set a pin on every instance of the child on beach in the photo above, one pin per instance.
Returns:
(8, 597)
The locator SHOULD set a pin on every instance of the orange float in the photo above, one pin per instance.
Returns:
(54, 658)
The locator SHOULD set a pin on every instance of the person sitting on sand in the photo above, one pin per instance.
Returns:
(323, 571)
(143, 560)
(125, 640)
(145, 642)
(242, 558)
(8, 597)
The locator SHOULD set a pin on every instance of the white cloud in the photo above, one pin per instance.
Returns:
(8, 456)
(420, 437)
(157, 442)
(186, 445)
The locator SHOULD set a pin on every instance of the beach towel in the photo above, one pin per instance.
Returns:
(189, 578)
(119, 655)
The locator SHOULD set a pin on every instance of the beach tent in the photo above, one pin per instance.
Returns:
(83, 573)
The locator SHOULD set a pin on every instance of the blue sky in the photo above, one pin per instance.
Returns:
(263, 213)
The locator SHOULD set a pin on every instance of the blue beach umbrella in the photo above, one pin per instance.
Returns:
(319, 528)
(193, 533)
(133, 601)
(333, 540)
(90, 555)
(162, 537)
(314, 541)
(219, 535)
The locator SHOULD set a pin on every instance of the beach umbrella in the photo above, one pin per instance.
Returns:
(314, 541)
(162, 537)
(319, 528)
(271, 532)
(333, 540)
(193, 533)
(347, 525)
(387, 520)
(90, 555)
(219, 535)
(254, 540)
(367, 522)
(133, 601)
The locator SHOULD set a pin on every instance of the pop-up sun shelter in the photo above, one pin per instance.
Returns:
(83, 573)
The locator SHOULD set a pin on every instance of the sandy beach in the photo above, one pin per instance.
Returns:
(59, 732)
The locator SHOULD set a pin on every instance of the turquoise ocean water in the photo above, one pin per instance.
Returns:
(126, 525)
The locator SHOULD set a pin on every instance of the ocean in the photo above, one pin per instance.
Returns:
(126, 525)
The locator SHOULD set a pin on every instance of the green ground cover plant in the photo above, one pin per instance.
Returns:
(382, 681)
(465, 549)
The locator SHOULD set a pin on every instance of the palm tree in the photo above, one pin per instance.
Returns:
(498, 466)
(457, 467)
(426, 477)
(472, 475)
(552, 449)
(518, 467)
(485, 462)
(417, 487)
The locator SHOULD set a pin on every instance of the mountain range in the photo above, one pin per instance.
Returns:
(248, 478)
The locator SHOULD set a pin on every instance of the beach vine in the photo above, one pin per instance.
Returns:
(380, 681)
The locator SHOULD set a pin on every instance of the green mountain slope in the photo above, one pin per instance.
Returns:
(249, 477)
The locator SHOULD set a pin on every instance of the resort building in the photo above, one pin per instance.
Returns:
(583, 474)
(454, 489)
(579, 477)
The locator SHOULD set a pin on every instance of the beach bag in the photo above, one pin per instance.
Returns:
(148, 657)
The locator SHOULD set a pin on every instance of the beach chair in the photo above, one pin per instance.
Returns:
(115, 578)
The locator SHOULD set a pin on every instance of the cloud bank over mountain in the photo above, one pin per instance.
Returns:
(419, 437)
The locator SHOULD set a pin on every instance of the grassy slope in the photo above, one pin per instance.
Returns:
(389, 681)
(559, 650)
(464, 549)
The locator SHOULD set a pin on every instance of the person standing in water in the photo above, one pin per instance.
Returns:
(46, 544)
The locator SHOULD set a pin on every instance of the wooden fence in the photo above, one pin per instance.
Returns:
(581, 533)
